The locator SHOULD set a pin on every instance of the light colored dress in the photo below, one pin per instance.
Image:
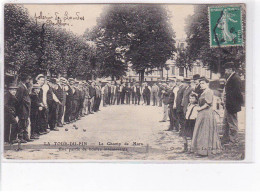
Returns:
(205, 139)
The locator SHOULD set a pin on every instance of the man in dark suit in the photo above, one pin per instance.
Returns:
(197, 90)
(10, 113)
(179, 106)
(233, 101)
(186, 95)
(170, 104)
(24, 109)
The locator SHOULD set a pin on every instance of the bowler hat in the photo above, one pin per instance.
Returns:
(12, 86)
(187, 80)
(196, 77)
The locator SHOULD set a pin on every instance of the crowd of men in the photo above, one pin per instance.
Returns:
(37, 106)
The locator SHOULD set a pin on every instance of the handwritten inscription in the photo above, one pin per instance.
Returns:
(58, 19)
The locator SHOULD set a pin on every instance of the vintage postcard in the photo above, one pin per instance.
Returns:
(124, 82)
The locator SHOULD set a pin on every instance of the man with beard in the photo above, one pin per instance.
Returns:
(233, 101)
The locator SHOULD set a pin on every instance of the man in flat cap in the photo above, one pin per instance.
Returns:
(233, 101)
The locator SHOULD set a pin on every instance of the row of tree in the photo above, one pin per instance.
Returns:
(198, 45)
(34, 48)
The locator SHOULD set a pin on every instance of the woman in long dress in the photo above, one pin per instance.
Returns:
(205, 139)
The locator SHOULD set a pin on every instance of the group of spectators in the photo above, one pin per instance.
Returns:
(192, 109)
(37, 106)
(35, 109)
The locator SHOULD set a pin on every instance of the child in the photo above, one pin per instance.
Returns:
(190, 119)
(36, 106)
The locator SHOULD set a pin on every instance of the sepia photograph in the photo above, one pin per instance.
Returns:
(124, 82)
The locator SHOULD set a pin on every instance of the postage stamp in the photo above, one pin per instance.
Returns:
(225, 26)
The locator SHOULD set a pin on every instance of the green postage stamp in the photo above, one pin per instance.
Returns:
(225, 26)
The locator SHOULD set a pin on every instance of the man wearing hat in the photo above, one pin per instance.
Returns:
(197, 89)
(179, 106)
(52, 106)
(69, 97)
(155, 91)
(233, 101)
(10, 114)
(36, 107)
(172, 85)
(24, 109)
(92, 94)
(186, 94)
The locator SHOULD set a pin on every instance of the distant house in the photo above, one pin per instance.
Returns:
(173, 71)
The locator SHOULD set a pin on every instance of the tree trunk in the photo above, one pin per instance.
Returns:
(142, 76)
(161, 72)
(186, 72)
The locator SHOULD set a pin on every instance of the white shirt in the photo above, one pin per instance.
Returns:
(175, 91)
(45, 89)
(192, 115)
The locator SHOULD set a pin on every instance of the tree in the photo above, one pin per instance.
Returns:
(198, 48)
(135, 34)
(33, 48)
(183, 60)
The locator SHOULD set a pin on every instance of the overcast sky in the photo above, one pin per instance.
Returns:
(90, 13)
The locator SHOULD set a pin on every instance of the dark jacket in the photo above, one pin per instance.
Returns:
(179, 97)
(198, 90)
(186, 98)
(24, 102)
(234, 98)
(35, 104)
(59, 93)
(165, 97)
(92, 92)
(10, 111)
(171, 99)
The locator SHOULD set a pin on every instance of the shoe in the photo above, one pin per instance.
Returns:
(169, 130)
(23, 141)
(29, 140)
(55, 129)
(34, 137)
(91, 113)
(15, 141)
(162, 121)
(60, 125)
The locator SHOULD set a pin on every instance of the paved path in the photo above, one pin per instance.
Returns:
(124, 132)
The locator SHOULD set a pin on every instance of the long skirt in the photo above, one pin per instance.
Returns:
(206, 139)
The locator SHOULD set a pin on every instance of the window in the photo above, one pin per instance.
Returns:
(173, 70)
(181, 71)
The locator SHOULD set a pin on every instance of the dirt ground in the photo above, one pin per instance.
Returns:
(118, 132)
